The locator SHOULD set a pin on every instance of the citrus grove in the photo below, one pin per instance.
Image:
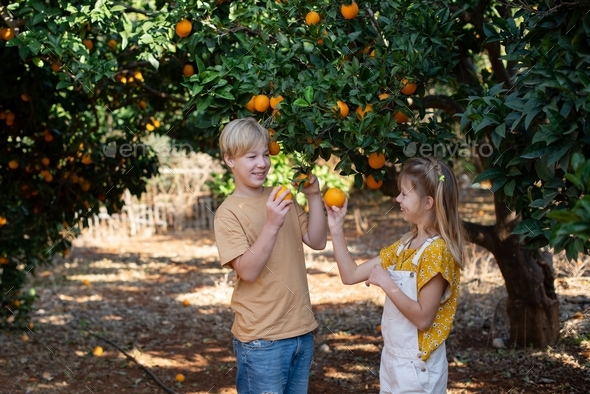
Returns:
(358, 81)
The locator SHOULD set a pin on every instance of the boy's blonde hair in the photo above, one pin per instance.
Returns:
(241, 136)
(432, 177)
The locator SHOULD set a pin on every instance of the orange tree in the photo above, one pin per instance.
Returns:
(329, 80)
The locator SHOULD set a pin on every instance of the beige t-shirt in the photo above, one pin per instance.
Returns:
(277, 304)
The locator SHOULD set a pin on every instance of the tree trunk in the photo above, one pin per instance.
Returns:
(532, 305)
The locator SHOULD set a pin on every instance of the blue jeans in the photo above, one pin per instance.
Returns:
(280, 366)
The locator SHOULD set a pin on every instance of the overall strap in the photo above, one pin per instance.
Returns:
(416, 258)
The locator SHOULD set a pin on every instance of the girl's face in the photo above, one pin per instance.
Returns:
(414, 209)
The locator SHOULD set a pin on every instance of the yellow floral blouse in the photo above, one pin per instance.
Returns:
(435, 259)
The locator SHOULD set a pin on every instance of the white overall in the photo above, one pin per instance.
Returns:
(402, 369)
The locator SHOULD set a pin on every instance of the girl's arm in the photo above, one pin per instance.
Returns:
(422, 312)
(350, 272)
(317, 230)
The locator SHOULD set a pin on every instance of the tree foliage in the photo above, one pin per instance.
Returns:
(89, 74)
(540, 126)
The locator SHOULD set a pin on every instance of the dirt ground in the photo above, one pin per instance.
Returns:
(130, 291)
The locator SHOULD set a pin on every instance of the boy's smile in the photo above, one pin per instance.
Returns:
(250, 171)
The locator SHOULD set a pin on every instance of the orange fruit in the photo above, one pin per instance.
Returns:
(186, 303)
(343, 108)
(334, 197)
(24, 338)
(179, 378)
(88, 44)
(383, 96)
(274, 101)
(98, 351)
(261, 103)
(349, 11)
(376, 160)
(13, 164)
(372, 54)
(156, 122)
(112, 44)
(183, 28)
(10, 116)
(305, 178)
(7, 34)
(2, 221)
(2, 115)
(149, 127)
(86, 282)
(3, 260)
(289, 195)
(188, 70)
(142, 104)
(48, 137)
(55, 66)
(409, 88)
(400, 117)
(372, 183)
(274, 148)
(24, 97)
(138, 75)
(86, 159)
(250, 105)
(271, 132)
(361, 112)
(45, 161)
(312, 18)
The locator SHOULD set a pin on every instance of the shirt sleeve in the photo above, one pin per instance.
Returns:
(388, 255)
(229, 236)
(437, 259)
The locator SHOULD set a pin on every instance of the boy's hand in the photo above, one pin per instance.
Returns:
(336, 217)
(277, 207)
(312, 188)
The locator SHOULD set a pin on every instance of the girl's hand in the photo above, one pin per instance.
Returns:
(336, 216)
(379, 277)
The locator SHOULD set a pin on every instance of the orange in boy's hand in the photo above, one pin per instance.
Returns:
(303, 178)
(334, 197)
(289, 195)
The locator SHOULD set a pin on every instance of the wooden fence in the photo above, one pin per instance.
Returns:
(174, 201)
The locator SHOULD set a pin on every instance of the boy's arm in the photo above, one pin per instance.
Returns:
(250, 264)
(317, 228)
(350, 272)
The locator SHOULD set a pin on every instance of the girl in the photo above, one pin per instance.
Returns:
(420, 277)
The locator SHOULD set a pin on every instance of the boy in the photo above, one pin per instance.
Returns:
(259, 233)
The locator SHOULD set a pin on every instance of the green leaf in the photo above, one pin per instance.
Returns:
(489, 173)
(308, 94)
(509, 188)
(301, 103)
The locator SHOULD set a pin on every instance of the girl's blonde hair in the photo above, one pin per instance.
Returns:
(432, 177)
(241, 136)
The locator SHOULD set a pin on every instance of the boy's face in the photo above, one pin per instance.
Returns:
(250, 170)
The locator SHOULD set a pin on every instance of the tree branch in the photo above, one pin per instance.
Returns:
(481, 235)
(12, 23)
(164, 95)
(374, 22)
(131, 358)
(440, 101)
